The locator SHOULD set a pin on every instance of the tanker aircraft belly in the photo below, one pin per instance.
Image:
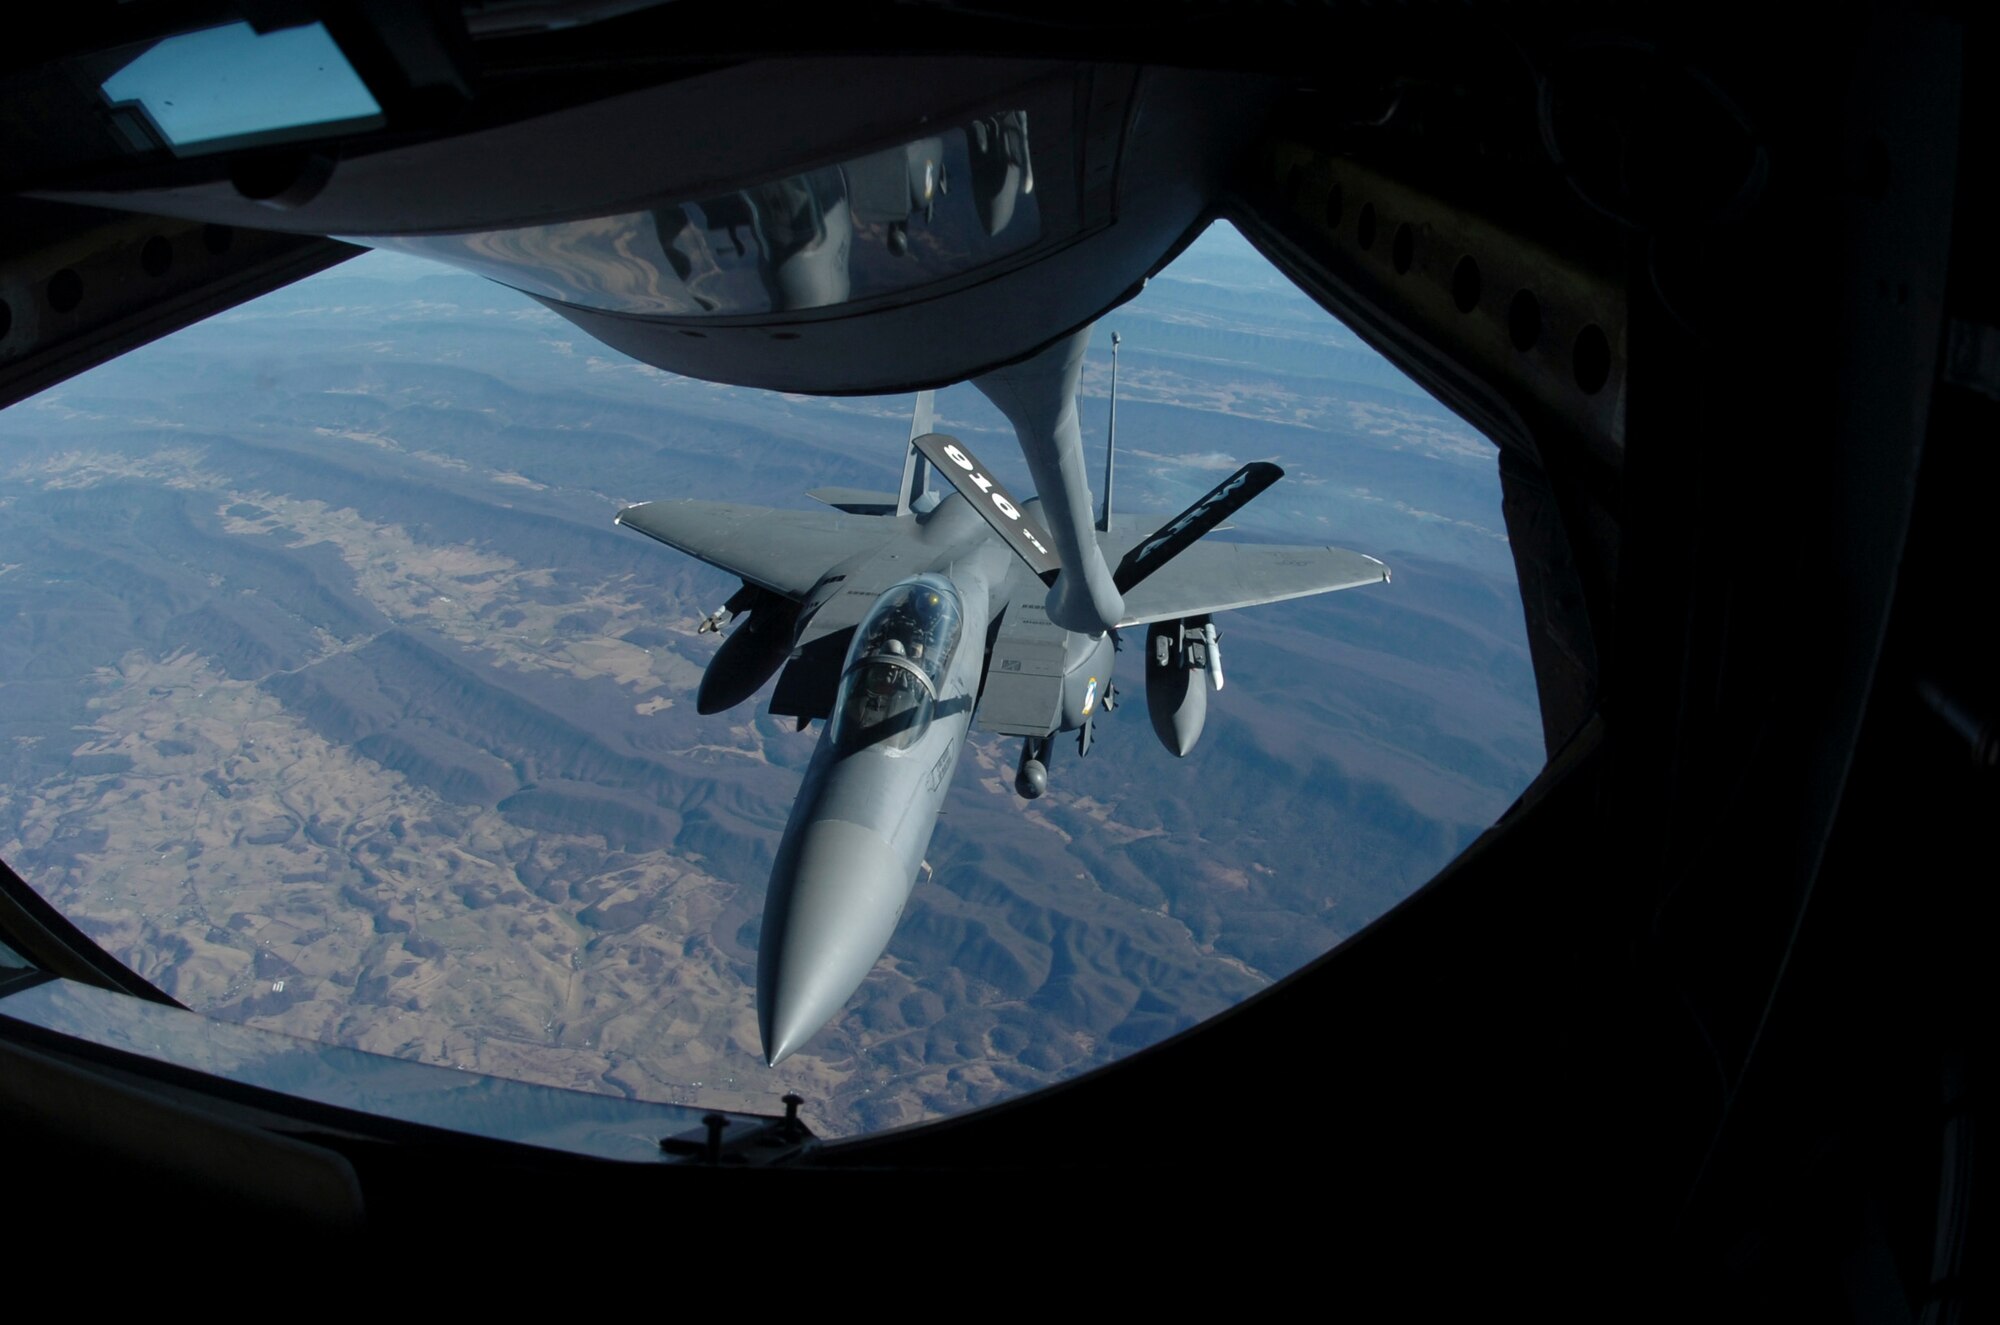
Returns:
(904, 625)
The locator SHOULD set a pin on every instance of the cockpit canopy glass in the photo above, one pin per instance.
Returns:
(925, 211)
(896, 665)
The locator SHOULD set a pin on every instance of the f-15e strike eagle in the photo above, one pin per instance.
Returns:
(903, 619)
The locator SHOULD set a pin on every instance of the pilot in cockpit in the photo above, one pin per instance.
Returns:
(896, 667)
(885, 680)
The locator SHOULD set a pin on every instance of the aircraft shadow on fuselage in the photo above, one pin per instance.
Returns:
(875, 731)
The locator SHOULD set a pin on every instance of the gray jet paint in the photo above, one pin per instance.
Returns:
(868, 804)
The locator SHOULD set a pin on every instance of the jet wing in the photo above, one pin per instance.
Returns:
(1218, 577)
(786, 552)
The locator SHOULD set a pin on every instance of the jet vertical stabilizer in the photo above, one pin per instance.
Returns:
(916, 470)
(1197, 521)
(1012, 520)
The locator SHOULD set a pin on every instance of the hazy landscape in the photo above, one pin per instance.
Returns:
(332, 701)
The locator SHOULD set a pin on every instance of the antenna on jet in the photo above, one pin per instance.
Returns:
(1111, 437)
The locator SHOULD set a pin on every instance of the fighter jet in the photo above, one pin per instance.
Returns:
(904, 619)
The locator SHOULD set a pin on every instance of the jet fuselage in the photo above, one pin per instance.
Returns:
(868, 805)
(908, 617)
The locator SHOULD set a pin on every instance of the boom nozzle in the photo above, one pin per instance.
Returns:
(1038, 396)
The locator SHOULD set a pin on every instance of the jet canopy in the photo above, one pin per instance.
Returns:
(901, 654)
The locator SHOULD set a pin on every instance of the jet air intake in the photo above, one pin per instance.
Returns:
(751, 654)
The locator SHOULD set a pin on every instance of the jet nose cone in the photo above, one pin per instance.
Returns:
(832, 907)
